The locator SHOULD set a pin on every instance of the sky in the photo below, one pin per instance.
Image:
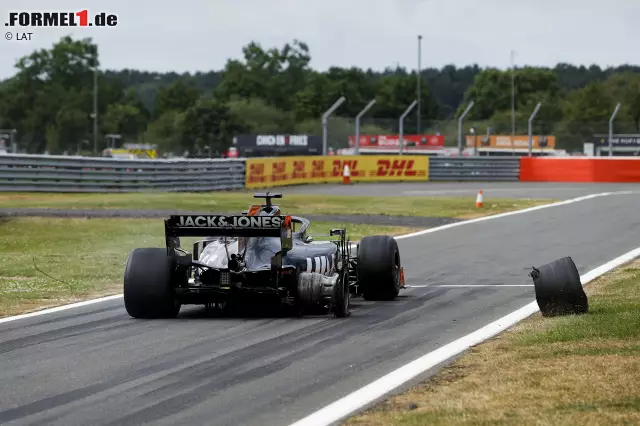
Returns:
(201, 35)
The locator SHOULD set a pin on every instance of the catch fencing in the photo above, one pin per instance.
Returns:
(482, 169)
(44, 173)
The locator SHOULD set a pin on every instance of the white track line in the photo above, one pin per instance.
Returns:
(377, 389)
(485, 285)
(469, 285)
(61, 308)
(473, 191)
(501, 215)
(414, 234)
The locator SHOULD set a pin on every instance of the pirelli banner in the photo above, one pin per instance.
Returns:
(268, 172)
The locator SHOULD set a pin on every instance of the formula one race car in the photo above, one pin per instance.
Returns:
(259, 256)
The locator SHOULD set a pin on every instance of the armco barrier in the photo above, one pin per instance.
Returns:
(482, 169)
(572, 169)
(85, 174)
(268, 172)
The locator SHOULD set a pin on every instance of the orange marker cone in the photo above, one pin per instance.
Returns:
(346, 175)
(402, 285)
(479, 200)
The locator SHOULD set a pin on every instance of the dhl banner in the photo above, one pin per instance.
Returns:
(266, 172)
(507, 142)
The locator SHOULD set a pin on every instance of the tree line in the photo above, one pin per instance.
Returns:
(273, 90)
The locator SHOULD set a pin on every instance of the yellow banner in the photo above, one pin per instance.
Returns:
(507, 142)
(279, 171)
(140, 153)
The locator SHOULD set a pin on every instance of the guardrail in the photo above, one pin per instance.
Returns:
(42, 173)
(482, 169)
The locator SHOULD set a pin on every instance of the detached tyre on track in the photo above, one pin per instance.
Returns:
(148, 290)
(379, 267)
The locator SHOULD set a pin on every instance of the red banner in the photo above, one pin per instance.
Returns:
(391, 141)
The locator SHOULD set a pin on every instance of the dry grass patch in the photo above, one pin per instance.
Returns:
(578, 370)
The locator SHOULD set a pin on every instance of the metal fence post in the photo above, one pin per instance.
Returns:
(513, 95)
(533, 115)
(95, 111)
(360, 114)
(475, 141)
(613, 117)
(404, 114)
(14, 141)
(325, 116)
(419, 88)
(464, 114)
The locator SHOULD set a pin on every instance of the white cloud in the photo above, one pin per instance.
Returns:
(192, 35)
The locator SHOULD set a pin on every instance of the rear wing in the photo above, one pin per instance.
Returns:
(227, 226)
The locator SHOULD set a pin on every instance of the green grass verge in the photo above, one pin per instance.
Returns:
(88, 256)
(574, 370)
(225, 202)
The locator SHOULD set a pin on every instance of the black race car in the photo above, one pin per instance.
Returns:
(260, 255)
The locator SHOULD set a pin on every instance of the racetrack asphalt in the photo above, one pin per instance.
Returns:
(517, 190)
(95, 365)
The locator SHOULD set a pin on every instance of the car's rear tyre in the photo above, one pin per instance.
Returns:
(379, 267)
(148, 290)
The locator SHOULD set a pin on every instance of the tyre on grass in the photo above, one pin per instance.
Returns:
(558, 288)
(148, 284)
(379, 267)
